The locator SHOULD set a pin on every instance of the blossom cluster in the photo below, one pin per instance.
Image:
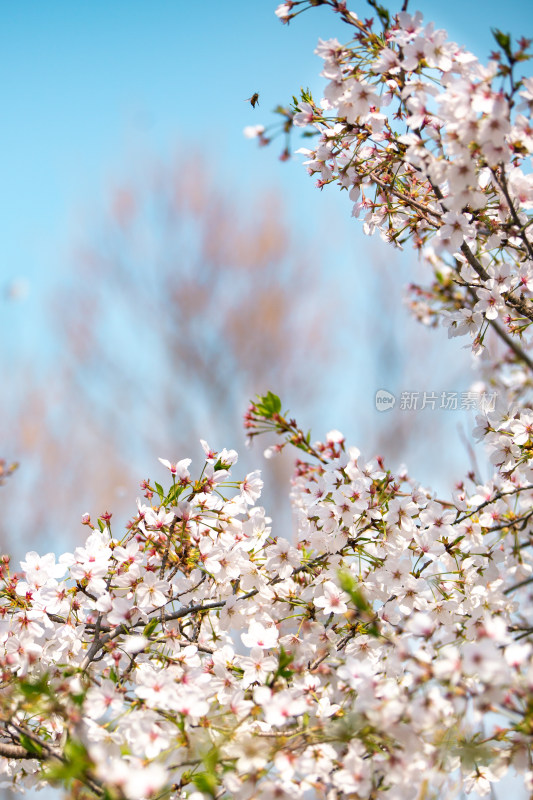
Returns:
(434, 148)
(199, 655)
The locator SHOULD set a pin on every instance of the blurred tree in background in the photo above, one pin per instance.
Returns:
(184, 298)
(182, 302)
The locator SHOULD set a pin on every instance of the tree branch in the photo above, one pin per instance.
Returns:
(17, 751)
(502, 185)
(511, 343)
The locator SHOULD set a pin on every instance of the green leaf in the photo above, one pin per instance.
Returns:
(206, 783)
(503, 40)
(275, 401)
(34, 689)
(73, 768)
(159, 490)
(77, 698)
(75, 751)
(30, 745)
(348, 584)
(268, 405)
(173, 495)
(284, 660)
(150, 627)
(211, 759)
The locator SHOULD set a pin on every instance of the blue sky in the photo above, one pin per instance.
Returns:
(86, 89)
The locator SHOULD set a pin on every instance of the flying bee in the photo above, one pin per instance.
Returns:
(253, 100)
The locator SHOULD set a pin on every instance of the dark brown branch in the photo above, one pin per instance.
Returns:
(474, 262)
(496, 497)
(518, 585)
(511, 343)
(48, 752)
(17, 751)
(502, 185)
(524, 307)
(408, 200)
